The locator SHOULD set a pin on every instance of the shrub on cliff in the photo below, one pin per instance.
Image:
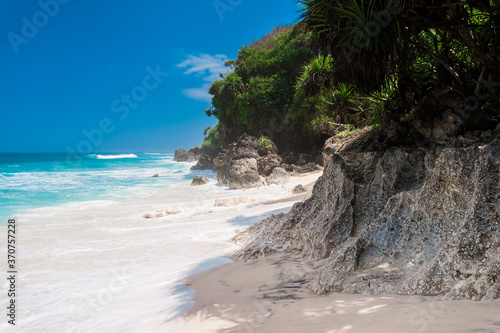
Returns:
(213, 140)
(261, 82)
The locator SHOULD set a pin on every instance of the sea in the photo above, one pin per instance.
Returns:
(87, 260)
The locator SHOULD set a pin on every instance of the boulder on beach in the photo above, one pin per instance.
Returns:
(266, 164)
(279, 176)
(238, 165)
(162, 213)
(244, 174)
(200, 180)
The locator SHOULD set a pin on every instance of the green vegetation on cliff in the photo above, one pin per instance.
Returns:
(354, 63)
(261, 83)
(416, 46)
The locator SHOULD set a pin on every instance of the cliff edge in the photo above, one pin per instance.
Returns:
(394, 218)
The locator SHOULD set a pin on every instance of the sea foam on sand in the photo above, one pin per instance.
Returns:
(99, 266)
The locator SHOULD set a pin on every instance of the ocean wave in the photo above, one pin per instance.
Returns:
(112, 157)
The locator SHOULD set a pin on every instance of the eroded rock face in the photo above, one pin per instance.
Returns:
(204, 163)
(406, 220)
(268, 163)
(238, 166)
(279, 176)
(235, 164)
(243, 174)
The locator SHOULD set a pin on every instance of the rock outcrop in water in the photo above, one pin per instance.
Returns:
(245, 164)
(199, 180)
(392, 218)
(181, 155)
(237, 165)
(205, 162)
(191, 155)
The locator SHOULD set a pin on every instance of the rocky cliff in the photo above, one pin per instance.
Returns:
(245, 163)
(389, 217)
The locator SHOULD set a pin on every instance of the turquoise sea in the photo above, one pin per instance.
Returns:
(89, 260)
(30, 181)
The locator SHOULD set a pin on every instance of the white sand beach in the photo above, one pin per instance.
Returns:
(100, 266)
(268, 295)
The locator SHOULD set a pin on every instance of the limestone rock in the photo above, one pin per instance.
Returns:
(266, 164)
(243, 174)
(305, 168)
(204, 163)
(182, 155)
(199, 180)
(388, 218)
(196, 151)
(299, 189)
(237, 165)
(341, 263)
(279, 176)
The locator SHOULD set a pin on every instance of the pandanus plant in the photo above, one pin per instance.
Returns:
(378, 42)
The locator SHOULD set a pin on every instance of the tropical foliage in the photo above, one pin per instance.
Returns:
(214, 139)
(354, 63)
(261, 82)
(413, 45)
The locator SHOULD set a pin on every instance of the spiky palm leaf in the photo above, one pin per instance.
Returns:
(352, 32)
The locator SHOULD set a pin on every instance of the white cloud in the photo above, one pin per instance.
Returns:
(199, 94)
(206, 66)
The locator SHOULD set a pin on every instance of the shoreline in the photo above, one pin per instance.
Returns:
(270, 295)
(104, 257)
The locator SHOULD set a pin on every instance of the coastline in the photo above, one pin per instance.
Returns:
(93, 261)
(258, 209)
(263, 295)
(269, 295)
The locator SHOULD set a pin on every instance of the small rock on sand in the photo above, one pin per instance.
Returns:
(200, 180)
(203, 213)
(299, 189)
(230, 202)
(162, 213)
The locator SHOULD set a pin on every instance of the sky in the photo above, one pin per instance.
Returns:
(119, 76)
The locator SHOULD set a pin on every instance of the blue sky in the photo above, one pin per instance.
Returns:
(118, 76)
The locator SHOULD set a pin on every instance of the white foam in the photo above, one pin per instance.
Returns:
(99, 266)
(110, 157)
